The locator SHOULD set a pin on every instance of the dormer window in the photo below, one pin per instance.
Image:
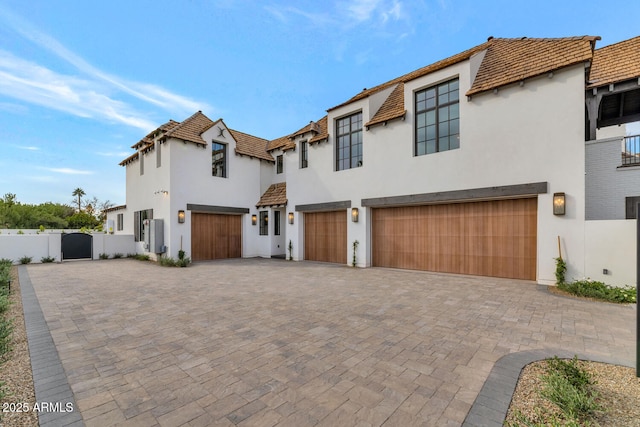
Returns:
(349, 142)
(219, 159)
(437, 118)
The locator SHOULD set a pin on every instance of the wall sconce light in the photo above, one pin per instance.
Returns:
(558, 204)
(290, 217)
(354, 214)
(181, 216)
(254, 219)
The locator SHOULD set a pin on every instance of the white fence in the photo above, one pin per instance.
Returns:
(14, 246)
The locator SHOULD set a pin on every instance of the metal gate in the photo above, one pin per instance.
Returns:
(77, 246)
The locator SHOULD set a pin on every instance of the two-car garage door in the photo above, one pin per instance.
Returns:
(488, 238)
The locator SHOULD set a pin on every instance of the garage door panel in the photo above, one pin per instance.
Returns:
(492, 238)
(215, 236)
(325, 236)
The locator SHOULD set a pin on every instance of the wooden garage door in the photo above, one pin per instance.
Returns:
(490, 238)
(325, 236)
(215, 236)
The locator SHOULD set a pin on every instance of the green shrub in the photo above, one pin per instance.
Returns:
(166, 261)
(599, 290)
(561, 269)
(46, 259)
(26, 260)
(184, 262)
(104, 256)
(570, 388)
(181, 254)
(142, 257)
(5, 262)
(6, 328)
(117, 255)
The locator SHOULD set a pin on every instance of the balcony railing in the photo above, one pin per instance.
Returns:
(631, 151)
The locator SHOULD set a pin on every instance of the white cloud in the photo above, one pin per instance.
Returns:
(362, 10)
(93, 93)
(30, 148)
(69, 171)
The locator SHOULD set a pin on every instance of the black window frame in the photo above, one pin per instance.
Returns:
(349, 139)
(276, 223)
(279, 164)
(264, 223)
(304, 154)
(219, 163)
(138, 221)
(631, 205)
(119, 222)
(434, 101)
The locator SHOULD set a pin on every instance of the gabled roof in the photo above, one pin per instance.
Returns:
(191, 129)
(162, 129)
(323, 132)
(288, 142)
(506, 61)
(615, 63)
(252, 146)
(284, 142)
(391, 108)
(511, 60)
(275, 195)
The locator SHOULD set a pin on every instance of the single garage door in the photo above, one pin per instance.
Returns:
(325, 236)
(215, 236)
(490, 238)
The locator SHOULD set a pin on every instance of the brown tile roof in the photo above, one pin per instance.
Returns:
(162, 129)
(313, 127)
(284, 142)
(323, 131)
(511, 60)
(130, 159)
(252, 146)
(506, 61)
(191, 129)
(115, 208)
(275, 195)
(391, 108)
(615, 63)
(418, 73)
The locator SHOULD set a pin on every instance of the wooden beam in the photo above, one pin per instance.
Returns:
(217, 209)
(320, 207)
(486, 193)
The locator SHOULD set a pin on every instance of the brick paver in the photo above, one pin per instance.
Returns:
(275, 343)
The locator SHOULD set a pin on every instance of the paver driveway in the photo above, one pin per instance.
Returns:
(270, 342)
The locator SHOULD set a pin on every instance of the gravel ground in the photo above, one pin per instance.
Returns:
(16, 371)
(617, 386)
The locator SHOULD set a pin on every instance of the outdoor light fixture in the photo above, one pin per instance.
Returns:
(254, 219)
(290, 217)
(558, 204)
(180, 216)
(354, 214)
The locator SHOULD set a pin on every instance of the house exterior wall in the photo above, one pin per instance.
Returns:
(527, 134)
(607, 183)
(611, 245)
(192, 183)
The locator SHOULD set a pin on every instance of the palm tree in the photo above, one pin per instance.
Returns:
(79, 192)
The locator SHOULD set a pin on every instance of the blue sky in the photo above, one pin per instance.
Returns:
(82, 81)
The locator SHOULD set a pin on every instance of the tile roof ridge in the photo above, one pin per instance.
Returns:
(245, 133)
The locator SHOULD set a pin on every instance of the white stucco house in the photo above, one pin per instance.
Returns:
(474, 164)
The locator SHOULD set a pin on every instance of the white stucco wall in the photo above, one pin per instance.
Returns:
(533, 133)
(611, 245)
(192, 183)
